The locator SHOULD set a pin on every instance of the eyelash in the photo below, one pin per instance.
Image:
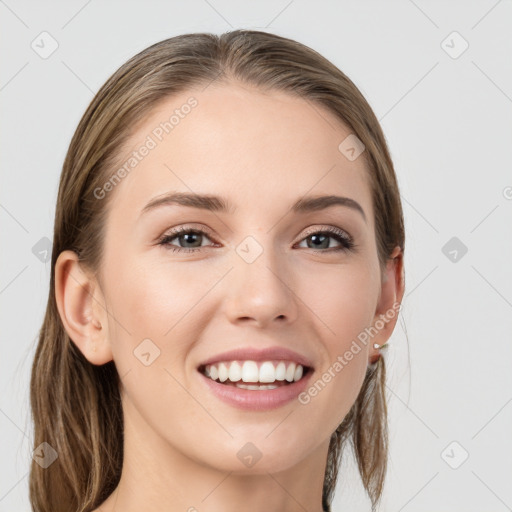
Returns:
(346, 241)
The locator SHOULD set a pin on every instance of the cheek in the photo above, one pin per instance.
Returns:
(343, 302)
(342, 298)
(154, 324)
(168, 302)
(159, 302)
(153, 299)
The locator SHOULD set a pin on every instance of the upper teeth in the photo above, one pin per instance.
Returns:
(248, 371)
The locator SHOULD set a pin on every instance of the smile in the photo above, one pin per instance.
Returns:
(254, 375)
(256, 385)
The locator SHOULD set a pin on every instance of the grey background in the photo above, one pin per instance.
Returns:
(447, 118)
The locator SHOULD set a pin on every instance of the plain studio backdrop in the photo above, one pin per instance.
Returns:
(438, 77)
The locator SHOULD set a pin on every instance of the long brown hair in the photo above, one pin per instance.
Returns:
(76, 406)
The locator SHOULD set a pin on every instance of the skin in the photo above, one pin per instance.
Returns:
(262, 151)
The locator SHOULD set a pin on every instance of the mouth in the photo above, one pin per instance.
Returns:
(255, 375)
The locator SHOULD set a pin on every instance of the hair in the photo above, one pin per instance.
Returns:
(76, 406)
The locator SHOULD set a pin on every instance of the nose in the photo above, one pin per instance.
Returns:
(260, 292)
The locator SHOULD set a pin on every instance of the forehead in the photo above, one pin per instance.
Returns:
(259, 149)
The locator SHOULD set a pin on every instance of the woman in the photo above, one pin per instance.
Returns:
(227, 265)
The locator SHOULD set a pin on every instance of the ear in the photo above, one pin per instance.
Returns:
(392, 292)
(81, 308)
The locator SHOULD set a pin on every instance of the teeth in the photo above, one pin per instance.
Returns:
(281, 371)
(249, 372)
(235, 372)
(256, 388)
(290, 372)
(223, 372)
(267, 372)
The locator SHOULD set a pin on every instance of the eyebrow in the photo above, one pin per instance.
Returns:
(219, 204)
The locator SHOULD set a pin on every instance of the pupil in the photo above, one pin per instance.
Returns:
(326, 238)
(189, 235)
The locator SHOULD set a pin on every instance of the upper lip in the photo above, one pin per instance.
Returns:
(254, 354)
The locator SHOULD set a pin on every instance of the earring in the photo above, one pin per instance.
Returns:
(375, 359)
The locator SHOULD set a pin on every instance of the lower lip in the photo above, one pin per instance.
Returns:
(254, 400)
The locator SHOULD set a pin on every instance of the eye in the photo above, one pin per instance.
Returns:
(320, 239)
(191, 239)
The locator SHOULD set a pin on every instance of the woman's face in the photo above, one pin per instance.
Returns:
(261, 275)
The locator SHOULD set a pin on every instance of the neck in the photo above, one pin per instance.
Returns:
(160, 477)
